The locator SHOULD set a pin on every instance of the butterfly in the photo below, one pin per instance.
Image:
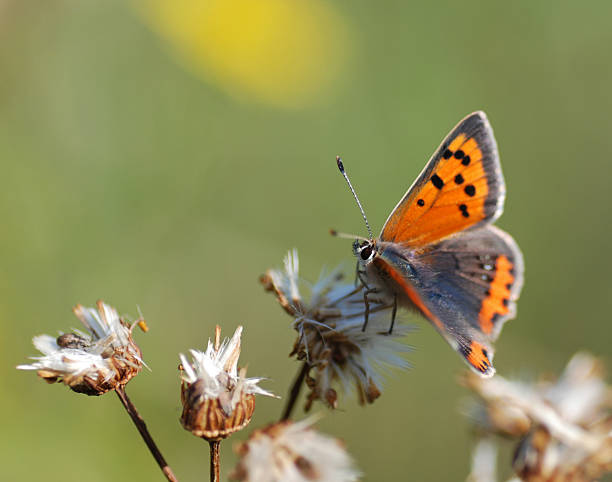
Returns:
(438, 252)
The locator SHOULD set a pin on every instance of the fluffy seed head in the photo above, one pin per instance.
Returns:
(563, 427)
(91, 362)
(329, 322)
(293, 452)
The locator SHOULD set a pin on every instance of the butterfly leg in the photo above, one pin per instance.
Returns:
(366, 301)
(361, 276)
(367, 291)
(366, 315)
(393, 313)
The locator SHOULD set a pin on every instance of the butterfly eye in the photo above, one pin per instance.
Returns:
(366, 252)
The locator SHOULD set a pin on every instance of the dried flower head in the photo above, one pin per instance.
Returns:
(217, 400)
(95, 362)
(293, 452)
(330, 340)
(564, 428)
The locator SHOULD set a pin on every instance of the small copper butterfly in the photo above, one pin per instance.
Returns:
(438, 252)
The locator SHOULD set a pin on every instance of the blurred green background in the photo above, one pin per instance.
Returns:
(164, 154)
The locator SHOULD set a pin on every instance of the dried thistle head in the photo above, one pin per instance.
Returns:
(217, 400)
(293, 452)
(93, 362)
(540, 456)
(329, 322)
(563, 428)
(495, 417)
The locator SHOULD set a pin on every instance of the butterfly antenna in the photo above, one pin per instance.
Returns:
(339, 234)
(341, 167)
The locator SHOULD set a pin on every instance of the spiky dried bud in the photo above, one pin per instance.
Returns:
(330, 340)
(217, 400)
(293, 452)
(92, 363)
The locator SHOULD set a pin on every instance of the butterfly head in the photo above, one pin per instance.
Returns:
(365, 250)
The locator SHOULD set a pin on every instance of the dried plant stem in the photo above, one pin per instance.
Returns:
(214, 460)
(484, 461)
(144, 432)
(295, 391)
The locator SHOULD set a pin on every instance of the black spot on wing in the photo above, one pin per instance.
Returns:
(470, 190)
(437, 181)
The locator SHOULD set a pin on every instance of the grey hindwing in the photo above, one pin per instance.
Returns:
(455, 276)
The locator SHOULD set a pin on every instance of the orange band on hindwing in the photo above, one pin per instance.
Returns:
(499, 295)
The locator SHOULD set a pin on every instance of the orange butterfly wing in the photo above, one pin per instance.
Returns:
(462, 186)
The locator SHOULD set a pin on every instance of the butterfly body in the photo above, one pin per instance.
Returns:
(438, 252)
(390, 272)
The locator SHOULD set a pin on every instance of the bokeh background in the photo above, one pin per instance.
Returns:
(165, 153)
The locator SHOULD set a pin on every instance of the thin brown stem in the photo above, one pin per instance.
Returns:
(295, 391)
(214, 460)
(144, 432)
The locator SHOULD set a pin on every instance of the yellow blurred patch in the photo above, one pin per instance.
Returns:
(282, 52)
